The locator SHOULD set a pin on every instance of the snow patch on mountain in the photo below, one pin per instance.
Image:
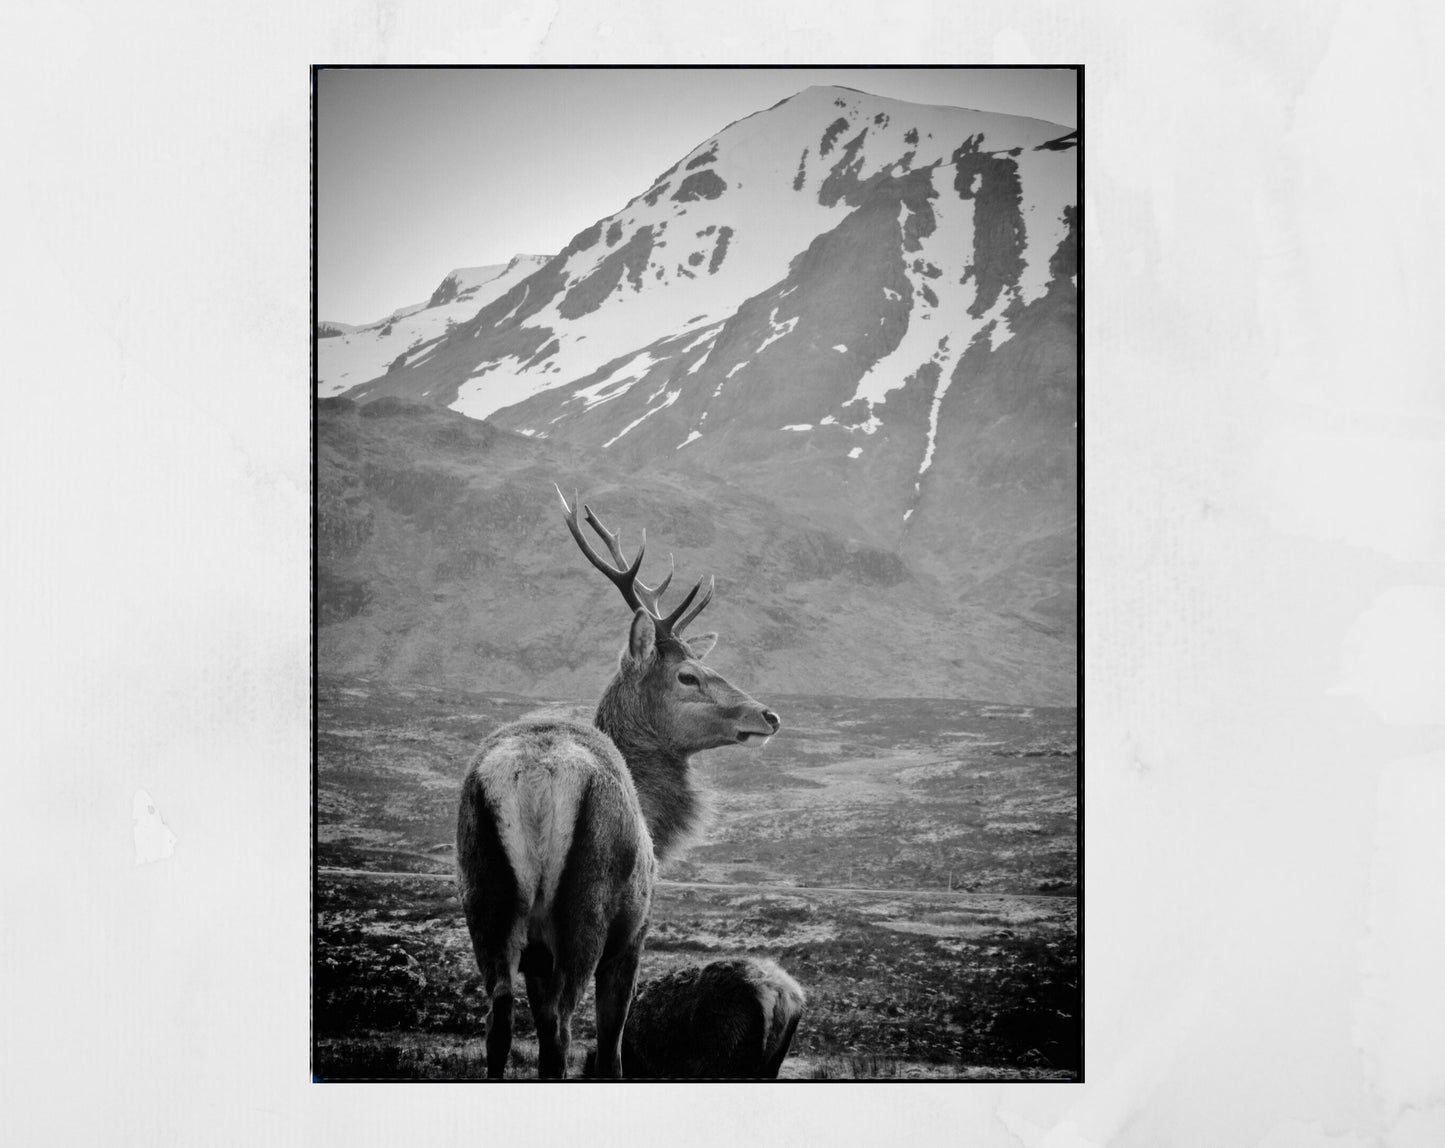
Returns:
(1048, 179)
(629, 373)
(492, 386)
(344, 360)
(882, 134)
(777, 330)
(707, 333)
(667, 402)
(949, 245)
(526, 290)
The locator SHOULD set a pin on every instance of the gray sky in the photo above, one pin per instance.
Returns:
(423, 170)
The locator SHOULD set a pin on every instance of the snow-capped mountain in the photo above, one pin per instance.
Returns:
(347, 354)
(858, 311)
(728, 221)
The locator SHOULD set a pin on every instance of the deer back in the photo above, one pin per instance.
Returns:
(535, 794)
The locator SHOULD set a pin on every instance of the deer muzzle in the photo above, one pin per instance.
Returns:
(758, 725)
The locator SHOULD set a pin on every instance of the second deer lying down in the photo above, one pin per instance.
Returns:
(728, 1019)
(561, 825)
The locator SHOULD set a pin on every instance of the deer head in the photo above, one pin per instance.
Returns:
(663, 694)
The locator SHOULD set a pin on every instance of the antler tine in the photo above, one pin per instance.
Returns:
(609, 537)
(663, 585)
(624, 579)
(676, 622)
(701, 604)
(637, 593)
(651, 598)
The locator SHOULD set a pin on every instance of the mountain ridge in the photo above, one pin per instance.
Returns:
(856, 318)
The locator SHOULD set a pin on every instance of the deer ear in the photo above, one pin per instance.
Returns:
(702, 645)
(642, 641)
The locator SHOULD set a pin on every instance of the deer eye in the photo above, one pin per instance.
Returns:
(687, 679)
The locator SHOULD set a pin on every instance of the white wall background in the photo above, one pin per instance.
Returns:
(1265, 531)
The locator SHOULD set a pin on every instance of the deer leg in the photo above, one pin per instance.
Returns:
(552, 993)
(616, 981)
(557, 987)
(543, 990)
(498, 973)
(494, 913)
(566, 1006)
(499, 1019)
(774, 1063)
(554, 1000)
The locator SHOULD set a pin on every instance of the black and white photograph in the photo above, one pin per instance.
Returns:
(522, 512)
(812, 369)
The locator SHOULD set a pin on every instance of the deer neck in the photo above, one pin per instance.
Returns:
(671, 806)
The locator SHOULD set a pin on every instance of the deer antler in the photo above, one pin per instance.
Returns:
(635, 592)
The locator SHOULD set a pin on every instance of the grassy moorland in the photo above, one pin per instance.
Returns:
(910, 861)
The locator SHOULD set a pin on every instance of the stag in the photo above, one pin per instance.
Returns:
(562, 825)
(725, 1020)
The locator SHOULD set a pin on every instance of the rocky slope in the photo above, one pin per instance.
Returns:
(443, 558)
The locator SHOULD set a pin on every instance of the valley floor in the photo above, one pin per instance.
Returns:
(910, 861)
